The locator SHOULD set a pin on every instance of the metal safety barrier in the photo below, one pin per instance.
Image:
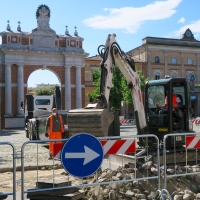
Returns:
(125, 150)
(188, 153)
(14, 154)
(108, 149)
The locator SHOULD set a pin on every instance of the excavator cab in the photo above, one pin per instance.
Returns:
(162, 120)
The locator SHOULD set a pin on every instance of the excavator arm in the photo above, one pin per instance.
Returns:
(113, 56)
(95, 118)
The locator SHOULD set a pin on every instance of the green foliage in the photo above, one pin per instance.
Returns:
(116, 94)
(45, 91)
(39, 7)
(143, 80)
(120, 92)
(127, 98)
(96, 83)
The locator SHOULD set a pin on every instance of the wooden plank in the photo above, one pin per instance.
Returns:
(73, 196)
(50, 184)
(3, 196)
(52, 192)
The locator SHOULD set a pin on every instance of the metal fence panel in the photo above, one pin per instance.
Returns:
(13, 154)
(82, 182)
(188, 153)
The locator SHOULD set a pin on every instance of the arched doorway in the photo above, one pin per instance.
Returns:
(42, 78)
(39, 77)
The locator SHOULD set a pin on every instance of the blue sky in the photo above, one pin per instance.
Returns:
(130, 20)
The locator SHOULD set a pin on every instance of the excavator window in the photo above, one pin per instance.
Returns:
(156, 95)
(158, 116)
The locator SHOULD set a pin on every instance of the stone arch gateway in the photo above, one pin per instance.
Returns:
(21, 53)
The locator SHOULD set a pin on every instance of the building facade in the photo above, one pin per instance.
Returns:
(173, 57)
(22, 53)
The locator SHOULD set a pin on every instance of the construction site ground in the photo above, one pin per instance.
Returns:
(45, 173)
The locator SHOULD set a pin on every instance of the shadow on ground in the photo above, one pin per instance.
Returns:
(8, 132)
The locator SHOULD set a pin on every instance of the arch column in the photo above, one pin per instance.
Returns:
(78, 87)
(20, 89)
(67, 88)
(8, 91)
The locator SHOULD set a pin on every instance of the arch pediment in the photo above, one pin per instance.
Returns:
(43, 38)
(49, 33)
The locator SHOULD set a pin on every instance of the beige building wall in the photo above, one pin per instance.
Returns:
(177, 58)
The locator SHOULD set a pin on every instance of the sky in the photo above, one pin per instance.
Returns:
(130, 20)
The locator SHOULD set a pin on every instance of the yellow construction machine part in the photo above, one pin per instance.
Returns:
(92, 121)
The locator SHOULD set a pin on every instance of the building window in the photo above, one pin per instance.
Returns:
(174, 73)
(157, 59)
(157, 74)
(174, 61)
(189, 61)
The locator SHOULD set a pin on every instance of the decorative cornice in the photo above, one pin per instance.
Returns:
(171, 42)
(79, 66)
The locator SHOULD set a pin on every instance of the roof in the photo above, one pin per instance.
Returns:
(165, 81)
(97, 57)
(27, 33)
(15, 32)
(171, 42)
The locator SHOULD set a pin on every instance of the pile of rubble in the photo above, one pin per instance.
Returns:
(180, 188)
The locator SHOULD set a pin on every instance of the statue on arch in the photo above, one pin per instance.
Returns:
(43, 18)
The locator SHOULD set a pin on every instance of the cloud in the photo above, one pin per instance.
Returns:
(130, 19)
(194, 27)
(182, 20)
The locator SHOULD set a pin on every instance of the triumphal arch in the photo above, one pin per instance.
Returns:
(21, 53)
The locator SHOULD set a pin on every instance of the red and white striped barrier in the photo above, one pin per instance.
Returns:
(124, 121)
(192, 142)
(196, 121)
(109, 147)
(118, 146)
(57, 147)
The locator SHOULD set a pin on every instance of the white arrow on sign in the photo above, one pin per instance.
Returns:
(89, 155)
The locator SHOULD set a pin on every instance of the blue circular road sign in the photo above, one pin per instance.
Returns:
(82, 155)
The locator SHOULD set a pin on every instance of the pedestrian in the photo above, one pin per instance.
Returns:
(54, 129)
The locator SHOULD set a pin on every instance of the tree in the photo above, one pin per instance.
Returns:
(45, 91)
(96, 83)
(116, 92)
(120, 92)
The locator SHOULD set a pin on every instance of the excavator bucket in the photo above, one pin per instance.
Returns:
(93, 121)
